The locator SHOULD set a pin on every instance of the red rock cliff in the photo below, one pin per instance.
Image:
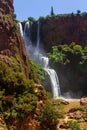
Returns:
(11, 42)
(60, 30)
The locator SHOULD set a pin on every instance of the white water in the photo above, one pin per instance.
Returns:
(34, 53)
(51, 72)
(38, 37)
(20, 28)
(53, 77)
(27, 38)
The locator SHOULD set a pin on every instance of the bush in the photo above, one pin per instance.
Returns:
(49, 114)
(25, 103)
(42, 18)
(78, 48)
(31, 19)
(65, 54)
(17, 96)
(73, 125)
(36, 72)
(78, 109)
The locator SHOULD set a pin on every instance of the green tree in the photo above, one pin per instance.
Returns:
(78, 12)
(52, 12)
(31, 19)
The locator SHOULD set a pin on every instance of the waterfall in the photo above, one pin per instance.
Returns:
(53, 77)
(27, 39)
(20, 28)
(34, 54)
(38, 36)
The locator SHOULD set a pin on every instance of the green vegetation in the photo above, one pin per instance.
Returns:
(16, 65)
(78, 109)
(52, 12)
(57, 16)
(17, 96)
(65, 54)
(42, 18)
(36, 72)
(74, 125)
(15, 18)
(50, 113)
(31, 19)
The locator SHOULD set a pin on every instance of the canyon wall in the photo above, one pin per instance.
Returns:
(11, 42)
(62, 29)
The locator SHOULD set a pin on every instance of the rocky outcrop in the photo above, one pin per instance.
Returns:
(11, 42)
(83, 101)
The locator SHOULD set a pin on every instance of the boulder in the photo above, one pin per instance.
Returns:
(83, 101)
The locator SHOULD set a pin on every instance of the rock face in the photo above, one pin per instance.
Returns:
(11, 42)
(72, 80)
(64, 29)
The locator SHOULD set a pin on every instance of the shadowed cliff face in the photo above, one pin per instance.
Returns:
(60, 30)
(65, 30)
(11, 42)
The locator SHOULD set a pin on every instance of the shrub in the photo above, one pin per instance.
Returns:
(77, 48)
(49, 114)
(17, 96)
(36, 72)
(73, 125)
(31, 19)
(56, 55)
(65, 54)
(25, 103)
(78, 108)
(42, 18)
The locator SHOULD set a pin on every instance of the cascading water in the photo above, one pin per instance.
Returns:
(27, 39)
(51, 72)
(53, 77)
(38, 36)
(20, 28)
(34, 54)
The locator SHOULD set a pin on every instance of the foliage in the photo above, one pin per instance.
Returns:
(25, 103)
(77, 48)
(31, 19)
(16, 65)
(78, 108)
(17, 95)
(15, 18)
(41, 18)
(73, 125)
(56, 54)
(36, 72)
(78, 12)
(50, 112)
(52, 12)
(73, 53)
(15, 29)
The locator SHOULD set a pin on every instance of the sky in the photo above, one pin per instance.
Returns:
(37, 8)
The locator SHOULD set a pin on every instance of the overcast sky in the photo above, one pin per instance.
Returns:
(37, 8)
